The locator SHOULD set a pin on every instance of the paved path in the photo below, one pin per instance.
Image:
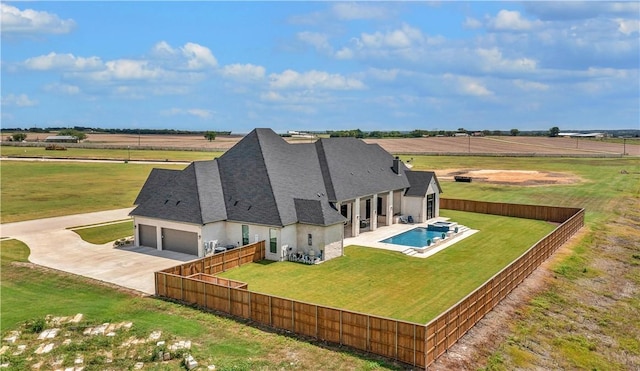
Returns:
(53, 246)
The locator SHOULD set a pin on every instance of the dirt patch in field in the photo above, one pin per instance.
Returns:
(514, 177)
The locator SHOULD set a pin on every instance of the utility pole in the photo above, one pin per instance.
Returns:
(624, 146)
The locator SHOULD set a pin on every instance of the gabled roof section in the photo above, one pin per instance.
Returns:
(209, 188)
(420, 181)
(352, 168)
(157, 180)
(245, 181)
(316, 212)
(177, 200)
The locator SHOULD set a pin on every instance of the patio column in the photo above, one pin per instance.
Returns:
(390, 208)
(355, 218)
(374, 212)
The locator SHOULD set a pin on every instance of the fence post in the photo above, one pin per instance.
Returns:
(396, 351)
(270, 316)
(293, 315)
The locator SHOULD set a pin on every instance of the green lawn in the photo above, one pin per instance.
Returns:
(29, 294)
(391, 284)
(105, 233)
(601, 191)
(33, 190)
(112, 154)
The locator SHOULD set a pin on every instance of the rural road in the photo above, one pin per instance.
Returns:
(53, 246)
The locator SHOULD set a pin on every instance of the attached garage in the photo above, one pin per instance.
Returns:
(148, 235)
(180, 241)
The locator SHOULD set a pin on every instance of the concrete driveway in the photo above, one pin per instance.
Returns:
(55, 247)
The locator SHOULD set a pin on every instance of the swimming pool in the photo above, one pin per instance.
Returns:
(416, 237)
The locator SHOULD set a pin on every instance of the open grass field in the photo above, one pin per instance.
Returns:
(585, 317)
(110, 154)
(394, 285)
(33, 190)
(31, 293)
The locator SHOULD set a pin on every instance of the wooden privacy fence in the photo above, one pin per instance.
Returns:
(412, 343)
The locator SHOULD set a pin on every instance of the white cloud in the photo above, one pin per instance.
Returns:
(530, 85)
(244, 72)
(62, 88)
(472, 23)
(318, 40)
(507, 20)
(128, 69)
(163, 48)
(352, 11)
(290, 79)
(31, 21)
(345, 53)
(628, 26)
(198, 112)
(400, 38)
(198, 56)
(469, 86)
(21, 100)
(492, 60)
(68, 62)
(383, 74)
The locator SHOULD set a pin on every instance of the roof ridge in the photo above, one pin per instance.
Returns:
(266, 166)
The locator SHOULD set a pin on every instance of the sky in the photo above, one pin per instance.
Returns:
(315, 66)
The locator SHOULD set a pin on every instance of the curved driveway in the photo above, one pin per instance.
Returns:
(53, 246)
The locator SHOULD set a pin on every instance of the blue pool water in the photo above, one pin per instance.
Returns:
(416, 237)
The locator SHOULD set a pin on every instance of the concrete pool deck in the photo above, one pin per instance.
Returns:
(373, 238)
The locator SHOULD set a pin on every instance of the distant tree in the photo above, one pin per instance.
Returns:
(210, 135)
(514, 132)
(497, 133)
(19, 137)
(462, 130)
(418, 133)
(486, 132)
(80, 135)
(554, 131)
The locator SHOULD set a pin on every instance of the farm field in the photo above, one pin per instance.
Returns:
(393, 285)
(588, 300)
(432, 145)
(109, 154)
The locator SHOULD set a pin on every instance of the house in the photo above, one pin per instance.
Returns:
(61, 139)
(295, 196)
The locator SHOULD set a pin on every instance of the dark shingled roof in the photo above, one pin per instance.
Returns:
(353, 168)
(265, 180)
(420, 181)
(157, 178)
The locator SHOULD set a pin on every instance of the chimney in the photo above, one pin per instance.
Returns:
(396, 165)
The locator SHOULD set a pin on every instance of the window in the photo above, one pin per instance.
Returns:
(273, 241)
(310, 239)
(245, 235)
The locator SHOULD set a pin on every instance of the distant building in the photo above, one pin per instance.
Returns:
(61, 139)
(582, 135)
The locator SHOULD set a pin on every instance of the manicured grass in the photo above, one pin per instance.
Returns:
(391, 284)
(106, 233)
(110, 154)
(33, 190)
(29, 294)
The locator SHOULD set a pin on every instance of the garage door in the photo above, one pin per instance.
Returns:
(180, 241)
(148, 236)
